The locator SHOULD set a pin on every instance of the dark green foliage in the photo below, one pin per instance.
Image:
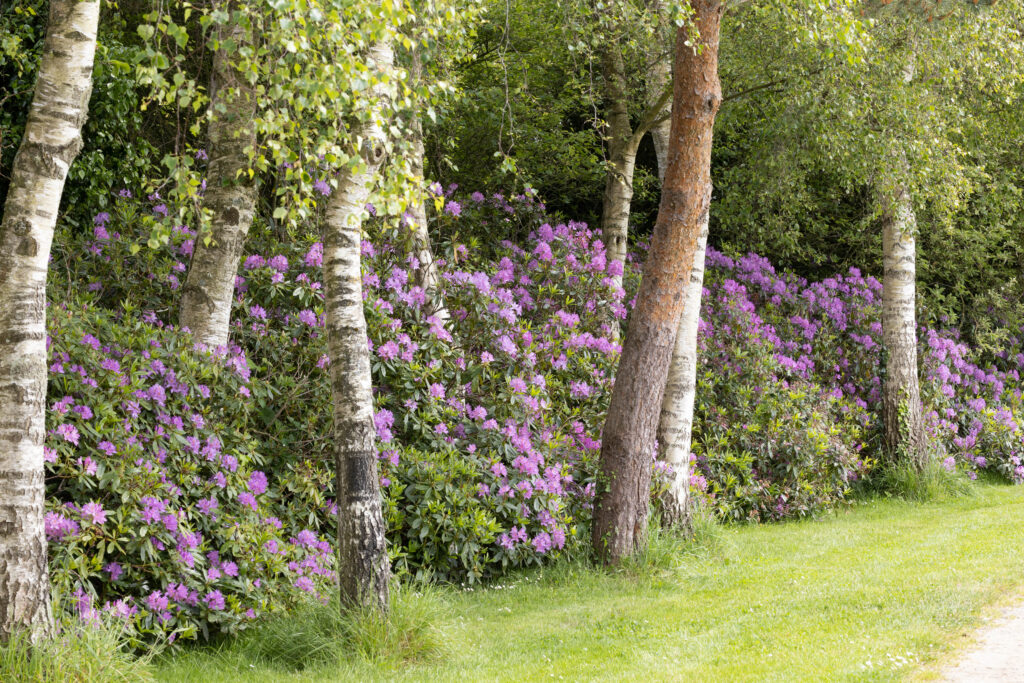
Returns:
(117, 152)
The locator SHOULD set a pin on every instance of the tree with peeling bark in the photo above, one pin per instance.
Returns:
(339, 130)
(52, 139)
(621, 505)
(429, 55)
(901, 393)
(675, 426)
(230, 198)
(424, 272)
(659, 81)
(902, 413)
(363, 566)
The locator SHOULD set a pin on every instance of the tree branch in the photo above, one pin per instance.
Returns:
(766, 86)
(655, 114)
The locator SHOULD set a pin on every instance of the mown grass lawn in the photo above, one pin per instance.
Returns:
(868, 594)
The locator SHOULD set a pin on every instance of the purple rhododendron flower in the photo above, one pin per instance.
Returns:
(69, 432)
(94, 513)
(214, 600)
(257, 482)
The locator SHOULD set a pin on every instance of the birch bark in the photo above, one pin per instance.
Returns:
(52, 139)
(675, 428)
(622, 146)
(901, 394)
(425, 275)
(209, 288)
(363, 568)
(659, 77)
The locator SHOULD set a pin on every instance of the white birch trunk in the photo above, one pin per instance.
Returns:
(675, 426)
(426, 275)
(618, 189)
(618, 198)
(659, 77)
(901, 395)
(363, 568)
(53, 138)
(660, 130)
(209, 289)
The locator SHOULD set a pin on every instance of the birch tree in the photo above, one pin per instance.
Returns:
(675, 425)
(363, 567)
(230, 196)
(621, 505)
(623, 143)
(437, 38)
(659, 81)
(52, 139)
(425, 274)
(901, 394)
(888, 127)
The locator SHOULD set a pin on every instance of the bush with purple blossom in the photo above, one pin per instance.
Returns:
(149, 454)
(488, 424)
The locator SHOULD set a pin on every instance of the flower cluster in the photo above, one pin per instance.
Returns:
(831, 334)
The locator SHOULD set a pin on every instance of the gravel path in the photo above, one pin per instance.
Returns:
(998, 655)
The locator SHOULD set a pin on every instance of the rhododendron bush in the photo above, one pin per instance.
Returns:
(191, 489)
(158, 498)
(829, 332)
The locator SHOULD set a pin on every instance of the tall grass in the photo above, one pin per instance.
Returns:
(930, 483)
(316, 634)
(78, 653)
(667, 547)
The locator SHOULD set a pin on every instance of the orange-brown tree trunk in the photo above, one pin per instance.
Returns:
(627, 448)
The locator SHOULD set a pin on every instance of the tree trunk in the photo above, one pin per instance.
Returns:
(660, 130)
(52, 139)
(618, 188)
(425, 275)
(659, 76)
(209, 288)
(621, 507)
(675, 428)
(901, 395)
(363, 568)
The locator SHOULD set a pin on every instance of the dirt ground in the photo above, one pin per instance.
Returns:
(998, 654)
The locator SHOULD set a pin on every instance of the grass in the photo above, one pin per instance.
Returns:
(931, 483)
(76, 654)
(871, 593)
(322, 635)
